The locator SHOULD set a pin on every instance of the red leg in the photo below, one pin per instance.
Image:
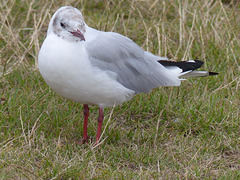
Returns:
(85, 124)
(100, 121)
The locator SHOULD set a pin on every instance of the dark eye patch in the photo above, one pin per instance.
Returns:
(62, 25)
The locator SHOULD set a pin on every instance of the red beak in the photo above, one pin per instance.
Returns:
(78, 34)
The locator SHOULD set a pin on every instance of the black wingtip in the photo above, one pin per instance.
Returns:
(200, 63)
(212, 73)
(184, 65)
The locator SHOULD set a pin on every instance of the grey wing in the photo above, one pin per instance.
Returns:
(125, 61)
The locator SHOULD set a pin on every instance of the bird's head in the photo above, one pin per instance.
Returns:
(68, 23)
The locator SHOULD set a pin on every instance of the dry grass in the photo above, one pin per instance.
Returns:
(187, 132)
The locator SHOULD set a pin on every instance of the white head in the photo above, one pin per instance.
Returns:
(68, 23)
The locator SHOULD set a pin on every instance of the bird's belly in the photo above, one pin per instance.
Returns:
(92, 89)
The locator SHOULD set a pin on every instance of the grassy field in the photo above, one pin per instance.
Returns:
(186, 132)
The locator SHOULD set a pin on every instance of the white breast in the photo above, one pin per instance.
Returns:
(66, 69)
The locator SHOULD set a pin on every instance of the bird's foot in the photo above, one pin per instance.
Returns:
(85, 140)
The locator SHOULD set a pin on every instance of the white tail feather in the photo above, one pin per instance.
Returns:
(194, 74)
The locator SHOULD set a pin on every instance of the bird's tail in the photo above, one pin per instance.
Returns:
(188, 68)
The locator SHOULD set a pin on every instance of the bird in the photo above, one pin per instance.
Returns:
(94, 67)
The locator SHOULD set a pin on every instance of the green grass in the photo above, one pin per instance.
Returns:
(186, 132)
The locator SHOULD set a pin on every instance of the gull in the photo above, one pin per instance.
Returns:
(93, 67)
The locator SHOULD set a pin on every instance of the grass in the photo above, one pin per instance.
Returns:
(186, 132)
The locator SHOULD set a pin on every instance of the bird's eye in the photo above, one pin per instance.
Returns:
(62, 25)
